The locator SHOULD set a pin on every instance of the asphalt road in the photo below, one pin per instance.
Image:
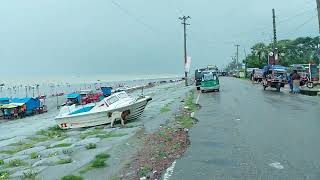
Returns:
(247, 133)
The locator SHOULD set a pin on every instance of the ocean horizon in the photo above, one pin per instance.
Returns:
(26, 86)
(30, 80)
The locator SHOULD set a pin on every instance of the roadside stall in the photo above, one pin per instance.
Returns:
(2, 102)
(9, 111)
(32, 104)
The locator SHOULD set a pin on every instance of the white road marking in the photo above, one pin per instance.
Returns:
(276, 165)
(169, 171)
(198, 98)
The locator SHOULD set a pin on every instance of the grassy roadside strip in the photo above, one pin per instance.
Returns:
(163, 147)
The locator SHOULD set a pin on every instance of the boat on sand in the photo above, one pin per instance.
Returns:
(100, 113)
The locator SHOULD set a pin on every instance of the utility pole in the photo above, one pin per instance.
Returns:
(237, 56)
(245, 62)
(318, 8)
(185, 24)
(275, 49)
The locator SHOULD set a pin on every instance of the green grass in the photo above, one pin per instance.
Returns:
(65, 161)
(165, 109)
(72, 177)
(53, 154)
(15, 163)
(163, 154)
(91, 146)
(91, 133)
(98, 162)
(189, 102)
(1, 162)
(110, 135)
(30, 175)
(34, 155)
(185, 121)
(4, 175)
(61, 145)
(52, 132)
(17, 148)
(175, 146)
(99, 133)
(38, 139)
(144, 170)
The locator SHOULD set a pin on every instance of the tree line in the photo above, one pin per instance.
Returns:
(302, 50)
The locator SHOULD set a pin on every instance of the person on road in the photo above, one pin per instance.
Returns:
(295, 82)
(252, 75)
(290, 82)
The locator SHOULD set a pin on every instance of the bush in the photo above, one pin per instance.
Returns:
(91, 146)
(98, 162)
(15, 163)
(4, 175)
(64, 161)
(34, 155)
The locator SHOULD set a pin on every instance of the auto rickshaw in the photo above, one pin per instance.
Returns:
(274, 77)
(210, 82)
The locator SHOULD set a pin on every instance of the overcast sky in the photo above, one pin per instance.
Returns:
(138, 36)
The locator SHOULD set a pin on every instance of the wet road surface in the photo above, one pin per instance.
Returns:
(247, 133)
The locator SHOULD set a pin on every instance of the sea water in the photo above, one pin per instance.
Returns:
(33, 86)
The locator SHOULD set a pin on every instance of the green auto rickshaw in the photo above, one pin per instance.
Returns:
(210, 82)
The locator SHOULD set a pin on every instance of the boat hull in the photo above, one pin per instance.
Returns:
(99, 118)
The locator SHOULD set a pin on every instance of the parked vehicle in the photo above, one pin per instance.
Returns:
(274, 77)
(258, 75)
(210, 82)
(198, 77)
(313, 78)
(101, 112)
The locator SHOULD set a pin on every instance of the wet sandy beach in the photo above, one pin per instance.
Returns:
(51, 153)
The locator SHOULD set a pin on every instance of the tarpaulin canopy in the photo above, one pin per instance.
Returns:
(8, 106)
(4, 100)
(73, 96)
(31, 103)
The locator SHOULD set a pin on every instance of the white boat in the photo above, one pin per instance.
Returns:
(100, 113)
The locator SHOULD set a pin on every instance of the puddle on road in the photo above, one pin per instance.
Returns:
(218, 162)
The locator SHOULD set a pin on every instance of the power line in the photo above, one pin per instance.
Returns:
(138, 20)
(297, 15)
(306, 22)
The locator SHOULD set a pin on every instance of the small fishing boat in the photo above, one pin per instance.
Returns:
(100, 113)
